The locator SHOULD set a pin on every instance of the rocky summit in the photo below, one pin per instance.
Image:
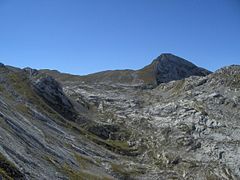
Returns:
(168, 120)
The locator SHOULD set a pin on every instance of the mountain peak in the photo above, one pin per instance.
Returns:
(168, 67)
(168, 57)
(1, 64)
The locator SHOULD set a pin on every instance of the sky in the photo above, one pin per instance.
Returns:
(86, 36)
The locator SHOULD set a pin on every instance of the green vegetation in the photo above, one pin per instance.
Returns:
(82, 175)
(119, 169)
(22, 108)
(178, 86)
(229, 77)
(21, 85)
(84, 161)
(235, 81)
(200, 108)
(147, 74)
(126, 172)
(74, 175)
(1, 88)
(119, 144)
(51, 160)
(120, 147)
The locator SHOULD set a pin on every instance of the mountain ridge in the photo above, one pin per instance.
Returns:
(150, 74)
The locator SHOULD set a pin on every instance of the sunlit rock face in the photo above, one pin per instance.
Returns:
(171, 119)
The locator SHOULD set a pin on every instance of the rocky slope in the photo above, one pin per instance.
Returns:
(71, 127)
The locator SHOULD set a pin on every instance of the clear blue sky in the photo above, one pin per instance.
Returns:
(84, 36)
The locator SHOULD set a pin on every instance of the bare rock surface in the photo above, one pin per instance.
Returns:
(70, 127)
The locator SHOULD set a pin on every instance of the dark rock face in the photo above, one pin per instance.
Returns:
(10, 171)
(169, 67)
(103, 131)
(52, 92)
(31, 72)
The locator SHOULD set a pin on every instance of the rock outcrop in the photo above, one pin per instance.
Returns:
(52, 93)
(168, 67)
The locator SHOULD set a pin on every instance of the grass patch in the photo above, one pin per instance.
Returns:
(120, 147)
(84, 161)
(200, 108)
(147, 74)
(22, 108)
(125, 172)
(2, 88)
(50, 160)
(119, 144)
(178, 86)
(82, 175)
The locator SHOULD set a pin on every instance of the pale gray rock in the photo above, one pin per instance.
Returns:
(188, 128)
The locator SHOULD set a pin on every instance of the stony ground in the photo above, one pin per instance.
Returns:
(184, 129)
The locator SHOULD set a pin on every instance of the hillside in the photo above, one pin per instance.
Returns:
(167, 67)
(169, 120)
